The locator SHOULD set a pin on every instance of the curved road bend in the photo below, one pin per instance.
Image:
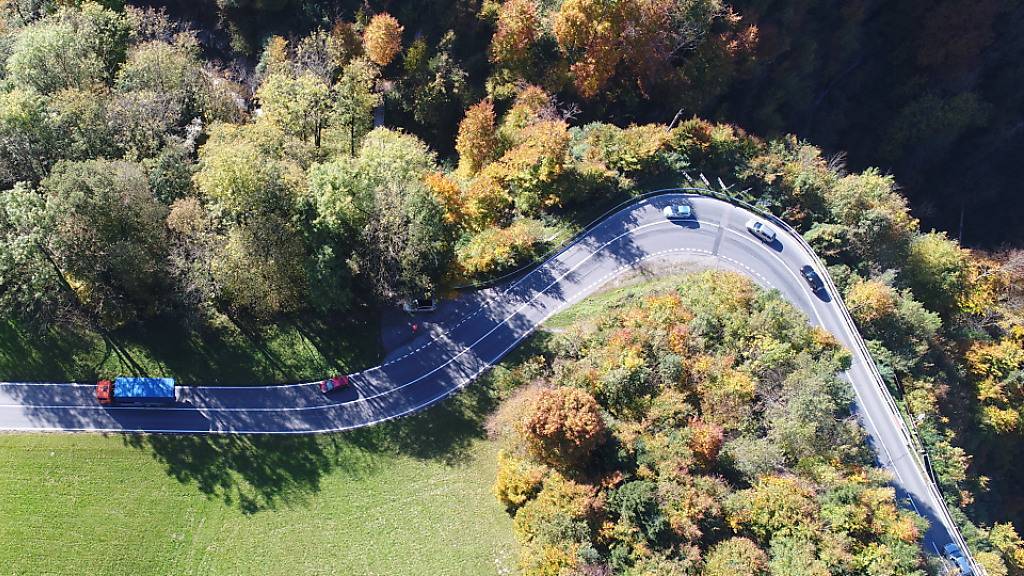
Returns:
(437, 365)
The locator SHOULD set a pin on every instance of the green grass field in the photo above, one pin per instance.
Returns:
(410, 497)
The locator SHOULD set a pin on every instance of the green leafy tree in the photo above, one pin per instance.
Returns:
(299, 105)
(938, 272)
(262, 254)
(31, 288)
(880, 226)
(172, 70)
(27, 141)
(69, 49)
(356, 99)
(81, 121)
(434, 88)
(107, 237)
(406, 243)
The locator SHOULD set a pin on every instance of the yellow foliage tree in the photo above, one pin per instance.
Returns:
(448, 194)
(477, 141)
(517, 480)
(870, 301)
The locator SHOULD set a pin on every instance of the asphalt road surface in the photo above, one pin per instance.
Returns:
(489, 325)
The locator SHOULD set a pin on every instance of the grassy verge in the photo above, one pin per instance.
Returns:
(410, 497)
(596, 305)
(227, 352)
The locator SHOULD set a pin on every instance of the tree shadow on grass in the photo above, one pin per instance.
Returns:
(252, 473)
(255, 473)
(29, 356)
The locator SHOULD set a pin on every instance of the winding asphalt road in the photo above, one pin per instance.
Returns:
(490, 324)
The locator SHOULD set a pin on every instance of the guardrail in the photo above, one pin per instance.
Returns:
(555, 250)
(912, 439)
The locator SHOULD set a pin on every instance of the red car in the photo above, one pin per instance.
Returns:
(333, 383)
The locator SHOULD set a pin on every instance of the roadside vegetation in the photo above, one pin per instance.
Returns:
(167, 211)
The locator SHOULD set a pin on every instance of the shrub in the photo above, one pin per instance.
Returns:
(736, 557)
(517, 481)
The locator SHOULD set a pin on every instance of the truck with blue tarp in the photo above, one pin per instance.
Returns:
(136, 391)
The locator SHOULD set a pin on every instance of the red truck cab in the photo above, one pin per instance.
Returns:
(105, 391)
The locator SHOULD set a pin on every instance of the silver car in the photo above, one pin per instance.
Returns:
(761, 230)
(678, 212)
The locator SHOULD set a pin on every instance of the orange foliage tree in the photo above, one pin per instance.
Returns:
(382, 39)
(563, 427)
(600, 36)
(519, 27)
(477, 140)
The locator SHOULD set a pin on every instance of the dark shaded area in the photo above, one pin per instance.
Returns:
(236, 351)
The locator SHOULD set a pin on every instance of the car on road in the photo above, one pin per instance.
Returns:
(334, 383)
(678, 212)
(956, 556)
(761, 230)
(812, 279)
(415, 305)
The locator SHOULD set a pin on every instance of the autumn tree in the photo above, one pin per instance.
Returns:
(774, 504)
(736, 557)
(275, 58)
(517, 481)
(344, 44)
(601, 37)
(194, 246)
(555, 524)
(996, 368)
(477, 141)
(519, 27)
(564, 427)
(382, 39)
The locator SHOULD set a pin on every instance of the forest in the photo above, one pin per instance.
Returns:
(695, 428)
(269, 159)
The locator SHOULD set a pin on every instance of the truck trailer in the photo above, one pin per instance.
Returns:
(133, 391)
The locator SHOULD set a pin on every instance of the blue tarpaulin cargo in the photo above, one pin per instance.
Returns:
(132, 389)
